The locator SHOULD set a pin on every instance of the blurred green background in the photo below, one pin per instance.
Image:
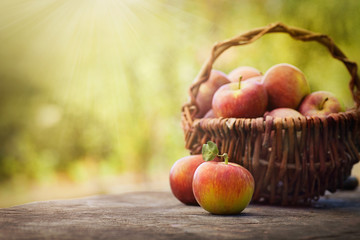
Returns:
(91, 90)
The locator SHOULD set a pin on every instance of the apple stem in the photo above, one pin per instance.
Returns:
(210, 151)
(226, 157)
(323, 103)
(240, 81)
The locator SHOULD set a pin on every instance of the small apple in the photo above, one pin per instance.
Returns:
(244, 99)
(222, 187)
(286, 86)
(243, 72)
(320, 103)
(256, 79)
(181, 178)
(283, 113)
(350, 184)
(207, 90)
(210, 114)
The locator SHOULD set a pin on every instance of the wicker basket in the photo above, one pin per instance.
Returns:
(293, 160)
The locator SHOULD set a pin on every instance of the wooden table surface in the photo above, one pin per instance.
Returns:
(158, 215)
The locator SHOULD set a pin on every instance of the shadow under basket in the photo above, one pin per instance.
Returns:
(293, 160)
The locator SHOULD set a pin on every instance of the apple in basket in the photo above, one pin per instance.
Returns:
(256, 79)
(210, 114)
(242, 99)
(222, 187)
(207, 90)
(243, 72)
(320, 103)
(286, 86)
(283, 113)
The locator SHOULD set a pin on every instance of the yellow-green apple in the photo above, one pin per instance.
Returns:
(243, 72)
(222, 187)
(242, 99)
(207, 90)
(181, 178)
(283, 113)
(286, 86)
(320, 103)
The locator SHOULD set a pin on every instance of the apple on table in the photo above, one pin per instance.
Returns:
(181, 177)
(222, 187)
(320, 103)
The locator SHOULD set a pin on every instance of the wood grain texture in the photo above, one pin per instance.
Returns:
(158, 215)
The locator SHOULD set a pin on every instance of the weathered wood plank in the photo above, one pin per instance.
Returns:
(158, 215)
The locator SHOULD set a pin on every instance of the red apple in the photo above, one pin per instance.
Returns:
(245, 72)
(207, 90)
(286, 86)
(244, 99)
(223, 188)
(320, 103)
(181, 178)
(283, 113)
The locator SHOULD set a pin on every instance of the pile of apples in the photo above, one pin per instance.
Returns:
(219, 187)
(245, 92)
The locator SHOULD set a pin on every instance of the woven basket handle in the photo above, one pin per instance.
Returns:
(251, 36)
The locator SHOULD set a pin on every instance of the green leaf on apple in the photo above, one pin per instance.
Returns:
(209, 151)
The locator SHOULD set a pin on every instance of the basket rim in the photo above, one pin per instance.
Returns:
(265, 121)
